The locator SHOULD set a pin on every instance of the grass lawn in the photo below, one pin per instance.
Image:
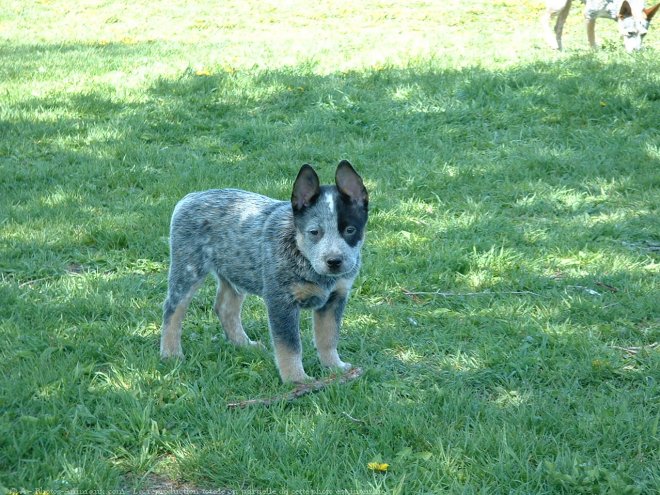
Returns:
(507, 314)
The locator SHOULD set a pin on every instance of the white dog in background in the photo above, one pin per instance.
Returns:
(632, 17)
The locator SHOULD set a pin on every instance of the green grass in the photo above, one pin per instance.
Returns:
(514, 188)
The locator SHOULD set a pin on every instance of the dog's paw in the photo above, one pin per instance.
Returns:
(330, 359)
(167, 355)
(554, 45)
(341, 368)
(304, 379)
(257, 344)
(333, 361)
(345, 366)
(299, 379)
(297, 376)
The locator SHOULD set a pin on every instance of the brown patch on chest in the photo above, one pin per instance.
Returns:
(304, 292)
(343, 286)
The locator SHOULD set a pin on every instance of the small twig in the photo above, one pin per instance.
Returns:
(32, 282)
(611, 288)
(633, 351)
(469, 294)
(301, 389)
(651, 246)
(589, 291)
(355, 420)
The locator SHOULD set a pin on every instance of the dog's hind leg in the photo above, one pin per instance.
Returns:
(228, 303)
(560, 10)
(174, 309)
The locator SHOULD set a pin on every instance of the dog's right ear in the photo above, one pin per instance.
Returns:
(306, 188)
(651, 11)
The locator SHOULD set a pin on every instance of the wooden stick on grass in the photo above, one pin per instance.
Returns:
(301, 389)
(469, 294)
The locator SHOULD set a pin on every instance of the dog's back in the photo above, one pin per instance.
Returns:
(225, 228)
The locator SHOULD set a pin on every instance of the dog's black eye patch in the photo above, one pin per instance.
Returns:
(351, 219)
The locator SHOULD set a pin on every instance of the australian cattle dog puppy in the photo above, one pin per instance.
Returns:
(632, 17)
(298, 254)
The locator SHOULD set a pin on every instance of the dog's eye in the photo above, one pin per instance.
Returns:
(313, 232)
(350, 230)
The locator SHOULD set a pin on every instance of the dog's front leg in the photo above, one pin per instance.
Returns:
(559, 9)
(591, 33)
(284, 321)
(327, 321)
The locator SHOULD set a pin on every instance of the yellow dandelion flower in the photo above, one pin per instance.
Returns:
(379, 467)
(202, 72)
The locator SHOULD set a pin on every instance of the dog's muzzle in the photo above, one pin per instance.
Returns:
(334, 264)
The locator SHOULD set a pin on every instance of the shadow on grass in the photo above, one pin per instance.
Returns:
(426, 133)
(508, 176)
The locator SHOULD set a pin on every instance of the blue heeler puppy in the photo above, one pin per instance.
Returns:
(302, 254)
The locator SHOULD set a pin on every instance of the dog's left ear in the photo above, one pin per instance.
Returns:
(306, 188)
(650, 12)
(625, 11)
(350, 183)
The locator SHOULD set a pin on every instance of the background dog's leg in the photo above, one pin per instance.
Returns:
(560, 10)
(327, 322)
(591, 33)
(546, 23)
(228, 303)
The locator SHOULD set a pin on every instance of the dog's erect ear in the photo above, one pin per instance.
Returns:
(625, 10)
(306, 188)
(650, 12)
(350, 183)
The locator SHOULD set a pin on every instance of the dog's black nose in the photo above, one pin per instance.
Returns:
(333, 263)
